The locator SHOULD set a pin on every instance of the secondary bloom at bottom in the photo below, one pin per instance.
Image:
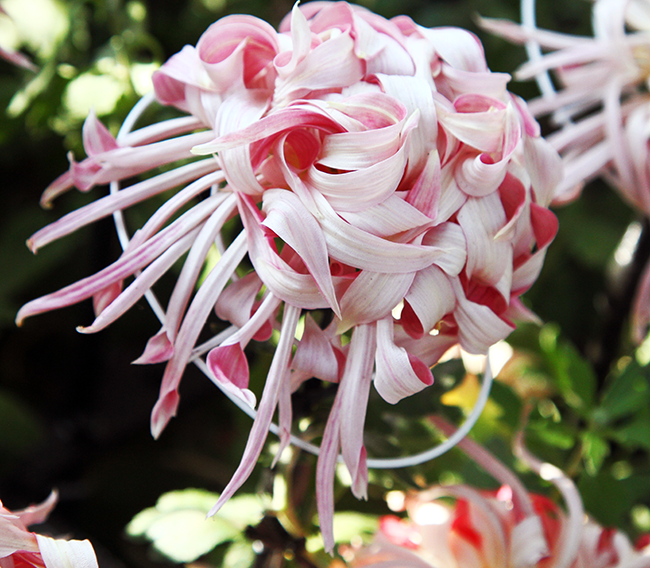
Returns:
(462, 527)
(20, 548)
(390, 198)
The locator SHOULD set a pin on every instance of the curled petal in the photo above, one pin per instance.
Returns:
(290, 220)
(478, 326)
(278, 373)
(430, 297)
(315, 355)
(481, 219)
(329, 65)
(59, 553)
(230, 369)
(399, 374)
(354, 389)
(371, 296)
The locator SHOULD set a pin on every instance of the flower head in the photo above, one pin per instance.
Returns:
(602, 105)
(603, 91)
(462, 527)
(20, 548)
(375, 166)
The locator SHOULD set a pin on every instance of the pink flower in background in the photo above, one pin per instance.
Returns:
(393, 196)
(20, 548)
(602, 106)
(602, 88)
(461, 527)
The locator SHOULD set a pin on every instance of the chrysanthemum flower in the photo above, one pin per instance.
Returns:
(20, 548)
(463, 527)
(374, 165)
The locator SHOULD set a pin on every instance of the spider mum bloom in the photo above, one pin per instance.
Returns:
(463, 527)
(20, 548)
(374, 165)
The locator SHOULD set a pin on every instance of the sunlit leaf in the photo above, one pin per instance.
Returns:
(178, 528)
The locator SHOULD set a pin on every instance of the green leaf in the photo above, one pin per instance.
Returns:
(594, 451)
(626, 393)
(573, 375)
(178, 528)
(636, 433)
(240, 554)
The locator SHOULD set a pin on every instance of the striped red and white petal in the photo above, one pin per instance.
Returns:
(429, 298)
(316, 355)
(398, 373)
(277, 375)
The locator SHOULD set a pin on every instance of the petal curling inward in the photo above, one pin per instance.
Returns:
(399, 374)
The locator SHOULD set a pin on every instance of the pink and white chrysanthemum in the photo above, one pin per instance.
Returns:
(374, 164)
(602, 104)
(20, 548)
(463, 527)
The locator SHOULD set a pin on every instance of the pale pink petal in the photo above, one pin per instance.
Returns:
(481, 218)
(96, 137)
(393, 218)
(129, 262)
(451, 239)
(14, 538)
(427, 301)
(520, 34)
(124, 198)
(357, 248)
(236, 302)
(159, 348)
(354, 389)
(124, 162)
(18, 59)
(301, 39)
(194, 264)
(371, 296)
(278, 373)
(479, 327)
(381, 52)
(181, 69)
(459, 48)
(315, 355)
(329, 65)
(238, 51)
(362, 188)
(641, 307)
(104, 297)
(325, 471)
(122, 300)
(230, 369)
(429, 348)
(478, 122)
(283, 280)
(398, 373)
(356, 150)
(416, 95)
(193, 323)
(451, 197)
(290, 220)
(425, 193)
(35, 514)
(59, 553)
